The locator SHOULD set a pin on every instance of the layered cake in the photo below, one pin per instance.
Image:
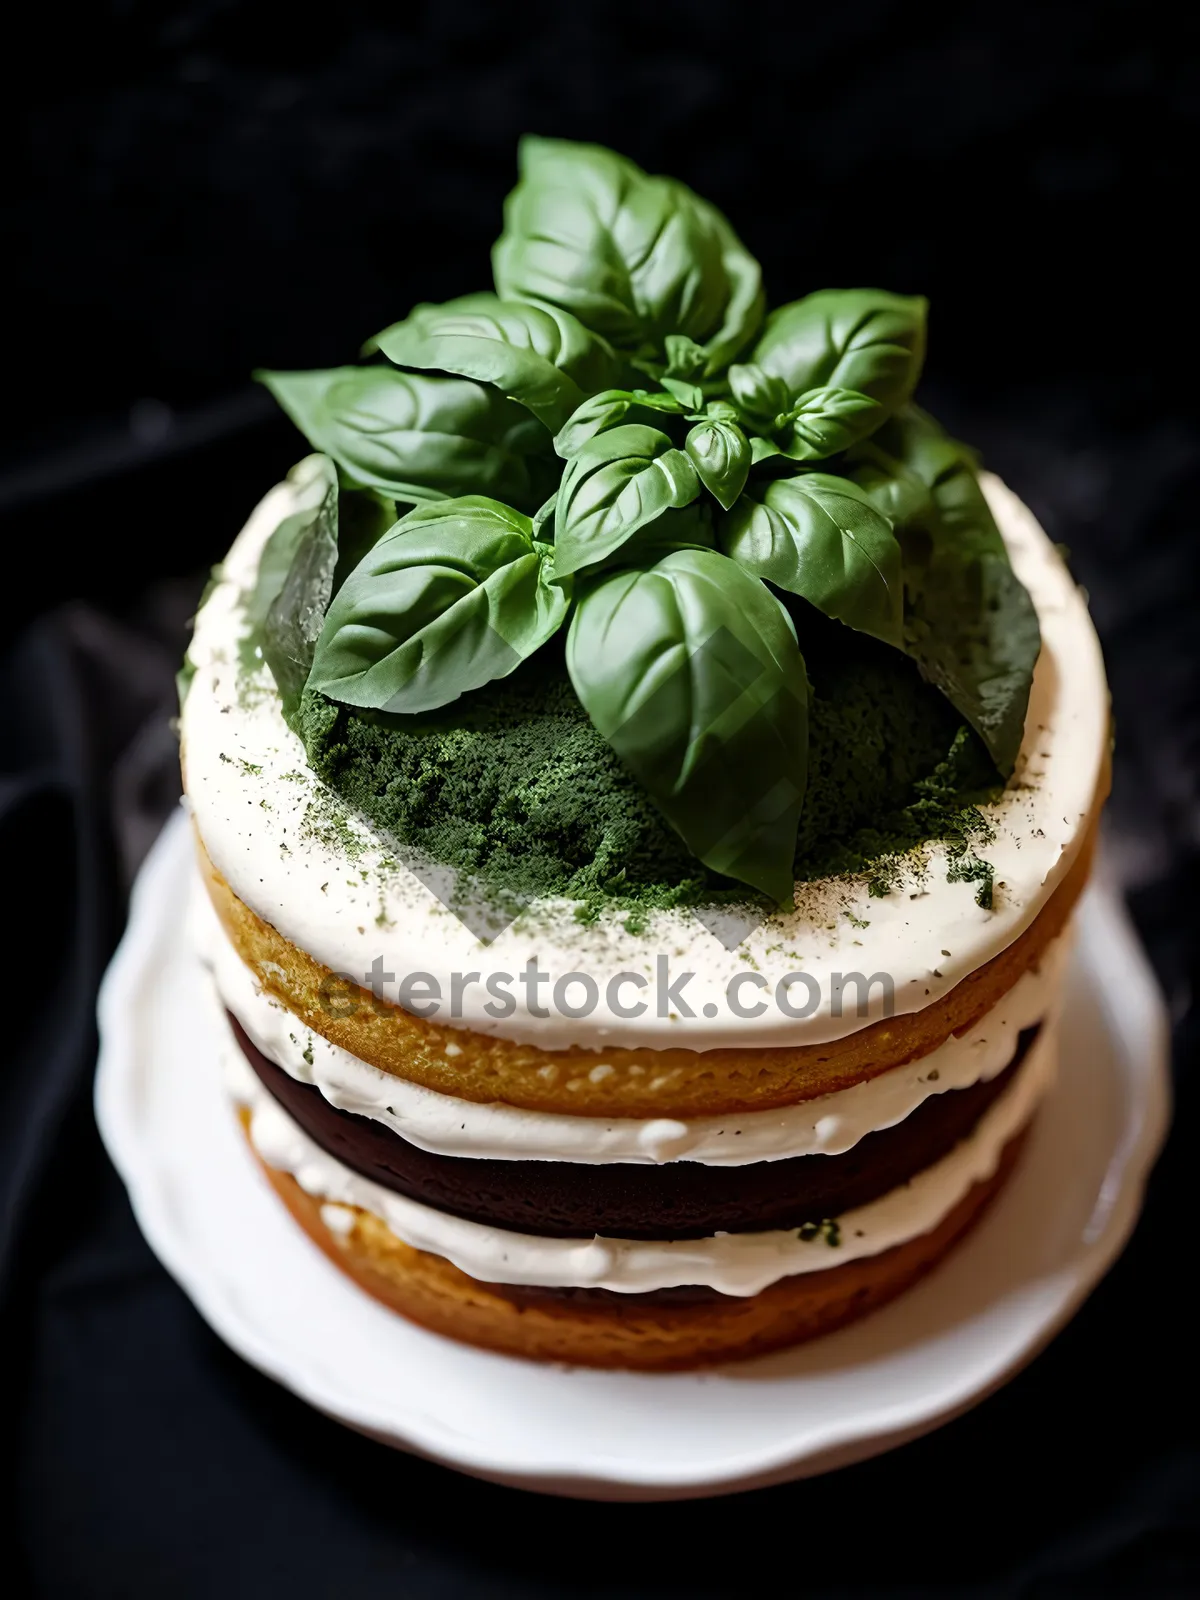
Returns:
(642, 777)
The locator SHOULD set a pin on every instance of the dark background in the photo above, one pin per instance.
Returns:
(193, 190)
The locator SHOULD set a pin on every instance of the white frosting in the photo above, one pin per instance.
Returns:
(279, 837)
(733, 1263)
(453, 1127)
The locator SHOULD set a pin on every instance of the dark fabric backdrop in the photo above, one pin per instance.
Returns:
(196, 189)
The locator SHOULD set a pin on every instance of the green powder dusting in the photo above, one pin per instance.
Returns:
(515, 789)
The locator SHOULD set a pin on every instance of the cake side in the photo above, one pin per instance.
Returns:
(659, 1336)
(739, 1264)
(450, 1124)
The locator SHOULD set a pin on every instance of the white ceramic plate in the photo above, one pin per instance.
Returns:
(210, 1216)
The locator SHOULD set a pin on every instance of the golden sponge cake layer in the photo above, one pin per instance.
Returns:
(633, 1082)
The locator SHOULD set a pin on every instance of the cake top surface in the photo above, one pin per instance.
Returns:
(311, 864)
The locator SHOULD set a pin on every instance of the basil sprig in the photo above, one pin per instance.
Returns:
(616, 439)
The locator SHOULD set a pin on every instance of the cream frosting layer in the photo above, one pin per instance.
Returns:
(331, 883)
(449, 1126)
(732, 1263)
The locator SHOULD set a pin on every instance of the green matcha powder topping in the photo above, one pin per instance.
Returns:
(516, 790)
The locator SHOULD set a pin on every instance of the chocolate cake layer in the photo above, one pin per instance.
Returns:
(676, 1200)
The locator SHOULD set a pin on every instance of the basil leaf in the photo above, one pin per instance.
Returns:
(658, 400)
(637, 258)
(363, 519)
(620, 480)
(413, 437)
(454, 596)
(824, 422)
(605, 410)
(595, 415)
(723, 411)
(690, 671)
(891, 487)
(862, 339)
(685, 358)
(543, 515)
(746, 302)
(687, 527)
(540, 356)
(303, 564)
(821, 538)
(762, 449)
(948, 470)
(312, 481)
(761, 396)
(970, 625)
(689, 395)
(720, 453)
(294, 613)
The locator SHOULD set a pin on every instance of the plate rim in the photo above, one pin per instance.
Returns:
(1135, 1013)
